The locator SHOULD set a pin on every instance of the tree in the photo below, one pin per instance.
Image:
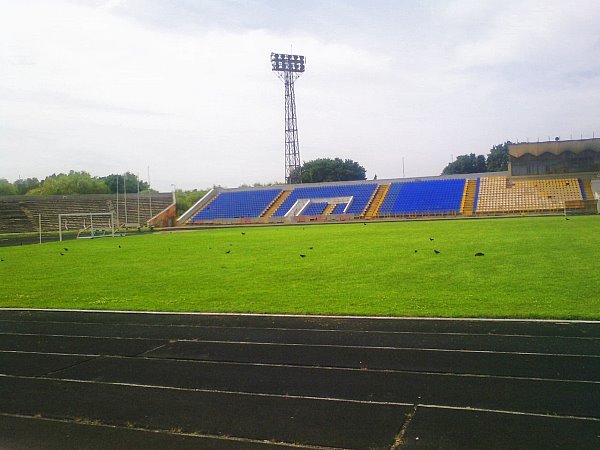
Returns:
(6, 187)
(260, 184)
(24, 186)
(73, 183)
(497, 158)
(466, 164)
(129, 179)
(496, 161)
(186, 199)
(327, 169)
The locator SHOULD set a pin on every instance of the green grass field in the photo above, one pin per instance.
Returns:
(543, 267)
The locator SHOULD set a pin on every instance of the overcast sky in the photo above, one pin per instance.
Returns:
(185, 87)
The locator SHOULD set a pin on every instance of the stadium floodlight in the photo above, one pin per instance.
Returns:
(288, 68)
(287, 63)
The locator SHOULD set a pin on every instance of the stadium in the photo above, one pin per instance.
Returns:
(450, 312)
(450, 303)
(543, 179)
(433, 312)
(548, 191)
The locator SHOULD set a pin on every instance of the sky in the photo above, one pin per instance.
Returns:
(181, 92)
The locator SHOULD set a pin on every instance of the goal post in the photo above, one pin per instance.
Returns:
(101, 225)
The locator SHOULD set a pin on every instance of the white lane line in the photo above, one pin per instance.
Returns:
(298, 397)
(78, 336)
(27, 352)
(309, 316)
(208, 391)
(305, 367)
(362, 347)
(514, 413)
(199, 436)
(302, 344)
(311, 330)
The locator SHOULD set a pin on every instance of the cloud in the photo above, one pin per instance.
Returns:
(209, 97)
(185, 87)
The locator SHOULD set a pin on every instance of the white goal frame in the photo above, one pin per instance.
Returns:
(91, 216)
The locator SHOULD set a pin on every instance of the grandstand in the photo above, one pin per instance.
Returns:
(472, 195)
(22, 213)
(502, 195)
(451, 196)
(558, 177)
(237, 204)
(430, 197)
(301, 197)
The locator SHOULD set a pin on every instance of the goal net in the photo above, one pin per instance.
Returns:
(88, 225)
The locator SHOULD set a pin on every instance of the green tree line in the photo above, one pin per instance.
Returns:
(74, 183)
(328, 169)
(186, 199)
(495, 161)
(318, 170)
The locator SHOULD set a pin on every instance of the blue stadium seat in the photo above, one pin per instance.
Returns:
(361, 194)
(315, 209)
(238, 204)
(339, 208)
(424, 197)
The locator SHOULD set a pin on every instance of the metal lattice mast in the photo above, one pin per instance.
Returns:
(292, 148)
(288, 68)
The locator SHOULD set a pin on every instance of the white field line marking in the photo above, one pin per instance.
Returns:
(362, 347)
(301, 344)
(305, 367)
(79, 336)
(227, 314)
(299, 397)
(208, 391)
(27, 352)
(515, 413)
(169, 432)
(291, 329)
(311, 330)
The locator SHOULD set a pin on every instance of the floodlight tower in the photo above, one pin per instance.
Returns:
(288, 68)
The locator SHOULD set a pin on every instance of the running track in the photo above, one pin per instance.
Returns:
(131, 380)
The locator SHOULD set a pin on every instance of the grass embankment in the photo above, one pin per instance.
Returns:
(533, 267)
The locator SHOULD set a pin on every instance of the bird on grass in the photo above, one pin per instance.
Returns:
(437, 252)
(66, 249)
(479, 254)
(310, 248)
(416, 251)
(62, 254)
(302, 256)
(566, 218)
(431, 239)
(119, 246)
(243, 234)
(228, 251)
